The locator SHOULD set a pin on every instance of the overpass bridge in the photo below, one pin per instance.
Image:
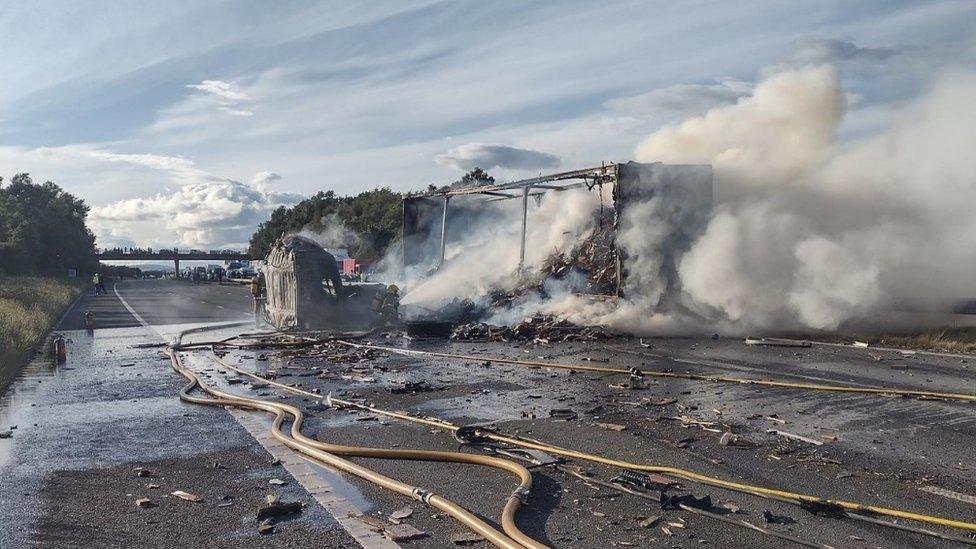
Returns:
(174, 256)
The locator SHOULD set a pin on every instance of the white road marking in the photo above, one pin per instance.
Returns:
(345, 513)
(69, 309)
(343, 510)
(945, 492)
(115, 288)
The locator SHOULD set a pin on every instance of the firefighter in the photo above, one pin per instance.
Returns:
(97, 283)
(386, 304)
(258, 292)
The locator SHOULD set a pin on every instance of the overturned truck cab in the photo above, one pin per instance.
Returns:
(305, 291)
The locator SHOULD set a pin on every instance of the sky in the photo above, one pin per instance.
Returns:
(187, 122)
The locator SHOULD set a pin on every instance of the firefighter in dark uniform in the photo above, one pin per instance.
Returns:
(258, 290)
(386, 304)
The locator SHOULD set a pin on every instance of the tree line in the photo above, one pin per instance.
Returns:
(42, 229)
(366, 224)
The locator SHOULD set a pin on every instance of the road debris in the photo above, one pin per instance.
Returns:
(186, 496)
(538, 326)
(395, 532)
(402, 513)
(794, 436)
(144, 503)
(266, 527)
(278, 509)
(776, 342)
(649, 522)
(466, 538)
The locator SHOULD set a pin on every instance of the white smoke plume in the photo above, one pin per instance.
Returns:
(331, 233)
(808, 232)
(486, 256)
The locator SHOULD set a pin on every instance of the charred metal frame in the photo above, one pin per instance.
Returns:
(591, 177)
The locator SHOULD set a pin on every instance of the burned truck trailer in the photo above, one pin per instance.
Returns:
(678, 196)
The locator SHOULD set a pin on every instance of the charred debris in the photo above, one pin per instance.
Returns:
(683, 193)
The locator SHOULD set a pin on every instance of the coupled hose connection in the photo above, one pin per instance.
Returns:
(510, 538)
(759, 491)
(772, 493)
(515, 500)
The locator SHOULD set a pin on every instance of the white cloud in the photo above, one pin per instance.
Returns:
(235, 112)
(358, 95)
(682, 100)
(829, 50)
(224, 90)
(200, 215)
(489, 156)
(227, 97)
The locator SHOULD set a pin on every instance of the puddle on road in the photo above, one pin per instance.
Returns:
(38, 391)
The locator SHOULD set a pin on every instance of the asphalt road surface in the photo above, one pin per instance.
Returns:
(67, 475)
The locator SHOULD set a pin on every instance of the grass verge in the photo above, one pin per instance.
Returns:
(29, 307)
(953, 340)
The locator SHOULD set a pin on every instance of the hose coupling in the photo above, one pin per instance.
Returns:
(422, 495)
(470, 434)
(522, 494)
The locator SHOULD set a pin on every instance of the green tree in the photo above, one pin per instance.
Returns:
(366, 224)
(42, 229)
(369, 222)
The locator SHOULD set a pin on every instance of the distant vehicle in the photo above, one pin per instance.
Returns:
(248, 272)
(196, 251)
(234, 266)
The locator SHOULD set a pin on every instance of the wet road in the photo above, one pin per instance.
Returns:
(904, 453)
(67, 474)
(112, 408)
(160, 302)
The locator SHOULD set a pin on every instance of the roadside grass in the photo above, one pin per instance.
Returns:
(29, 307)
(953, 340)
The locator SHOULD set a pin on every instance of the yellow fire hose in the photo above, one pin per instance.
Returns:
(512, 538)
(695, 377)
(760, 491)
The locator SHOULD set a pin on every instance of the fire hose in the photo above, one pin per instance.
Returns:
(815, 503)
(510, 538)
(694, 377)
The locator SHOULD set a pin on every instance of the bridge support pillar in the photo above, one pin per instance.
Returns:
(176, 262)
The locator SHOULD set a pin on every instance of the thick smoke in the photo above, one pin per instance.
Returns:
(485, 255)
(331, 233)
(808, 232)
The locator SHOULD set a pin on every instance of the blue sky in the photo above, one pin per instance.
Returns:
(187, 122)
